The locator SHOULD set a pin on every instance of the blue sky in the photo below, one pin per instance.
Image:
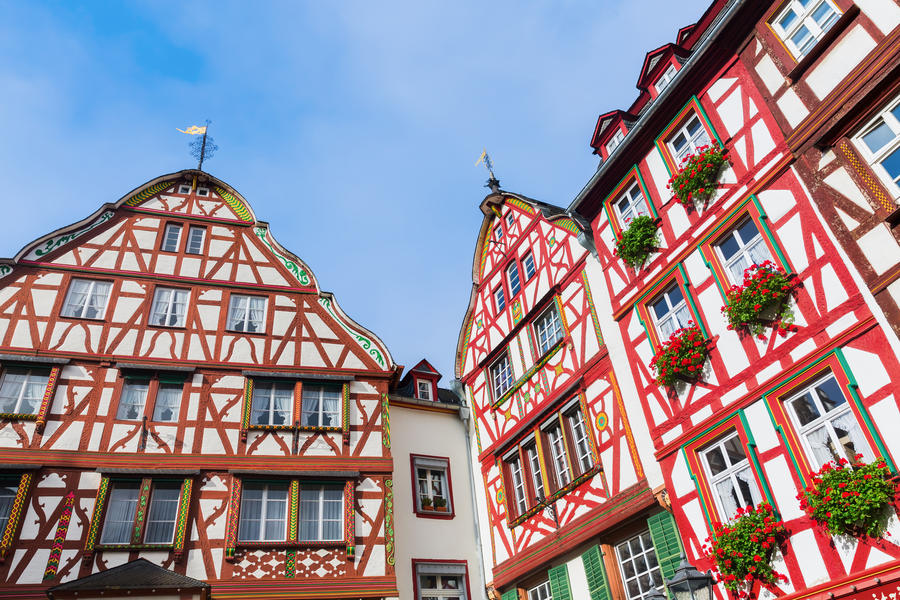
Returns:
(352, 127)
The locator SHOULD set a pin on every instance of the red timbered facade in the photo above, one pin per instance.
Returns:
(767, 407)
(566, 509)
(176, 387)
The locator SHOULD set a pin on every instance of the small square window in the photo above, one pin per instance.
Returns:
(423, 389)
(548, 329)
(730, 475)
(321, 406)
(879, 144)
(203, 191)
(665, 79)
(688, 139)
(741, 248)
(802, 23)
(512, 275)
(273, 403)
(528, 266)
(22, 390)
(169, 307)
(501, 376)
(184, 188)
(86, 299)
(247, 313)
(617, 138)
(639, 566)
(631, 204)
(498, 232)
(500, 298)
(432, 490)
(510, 221)
(172, 237)
(195, 239)
(440, 581)
(670, 311)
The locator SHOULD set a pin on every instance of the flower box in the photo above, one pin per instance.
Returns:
(639, 239)
(761, 301)
(681, 357)
(698, 175)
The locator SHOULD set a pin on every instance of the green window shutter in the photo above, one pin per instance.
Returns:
(512, 594)
(559, 583)
(598, 588)
(666, 542)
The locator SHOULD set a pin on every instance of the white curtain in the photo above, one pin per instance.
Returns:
(75, 302)
(10, 388)
(851, 437)
(283, 401)
(333, 508)
(310, 406)
(161, 516)
(7, 495)
(97, 302)
(131, 405)
(309, 514)
(120, 515)
(257, 310)
(168, 402)
(276, 514)
(331, 408)
(237, 313)
(251, 514)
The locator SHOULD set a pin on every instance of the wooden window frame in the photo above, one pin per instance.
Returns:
(296, 423)
(690, 109)
(612, 214)
(417, 562)
(187, 307)
(153, 379)
(265, 319)
(423, 513)
(676, 276)
(203, 240)
(528, 277)
(65, 298)
(9, 534)
(872, 159)
(783, 36)
(165, 237)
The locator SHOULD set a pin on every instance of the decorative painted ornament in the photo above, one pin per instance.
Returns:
(602, 421)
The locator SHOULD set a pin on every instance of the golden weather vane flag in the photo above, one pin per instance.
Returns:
(193, 130)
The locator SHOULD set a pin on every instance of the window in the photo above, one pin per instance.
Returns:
(534, 470)
(498, 233)
(440, 581)
(548, 329)
(614, 141)
(169, 306)
(86, 299)
(631, 204)
(423, 391)
(22, 390)
(121, 512)
(688, 139)
(195, 240)
(273, 403)
(321, 405)
(802, 23)
(670, 312)
(566, 438)
(247, 313)
(828, 429)
(639, 566)
(558, 456)
(517, 478)
(730, 475)
(879, 143)
(203, 191)
(501, 376)
(512, 274)
(528, 266)
(184, 188)
(666, 78)
(540, 592)
(321, 513)
(741, 248)
(134, 396)
(8, 489)
(510, 221)
(263, 513)
(171, 237)
(500, 298)
(432, 490)
(580, 440)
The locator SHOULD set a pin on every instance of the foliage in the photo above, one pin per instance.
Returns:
(697, 174)
(637, 241)
(426, 502)
(440, 502)
(766, 290)
(742, 549)
(850, 498)
(681, 356)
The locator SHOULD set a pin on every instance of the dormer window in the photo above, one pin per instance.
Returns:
(423, 389)
(665, 79)
(614, 142)
(184, 188)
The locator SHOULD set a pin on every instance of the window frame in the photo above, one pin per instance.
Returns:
(676, 276)
(29, 369)
(634, 203)
(181, 189)
(146, 487)
(730, 472)
(252, 380)
(153, 380)
(88, 295)
(513, 267)
(452, 567)
(874, 159)
(612, 214)
(691, 108)
(229, 326)
(673, 313)
(665, 78)
(433, 463)
(171, 302)
(203, 192)
(428, 388)
(322, 387)
(189, 238)
(164, 245)
(525, 257)
(289, 414)
(499, 296)
(511, 382)
(640, 535)
(805, 20)
(563, 331)
(615, 140)
(692, 144)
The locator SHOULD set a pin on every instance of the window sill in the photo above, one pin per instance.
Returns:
(18, 416)
(424, 513)
(306, 428)
(555, 496)
(269, 427)
(176, 327)
(89, 319)
(823, 44)
(544, 359)
(294, 544)
(239, 332)
(129, 547)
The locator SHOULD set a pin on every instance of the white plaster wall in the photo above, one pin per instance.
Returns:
(436, 434)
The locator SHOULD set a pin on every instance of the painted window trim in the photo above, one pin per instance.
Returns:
(233, 544)
(634, 174)
(433, 513)
(237, 294)
(751, 207)
(171, 288)
(296, 410)
(736, 421)
(16, 513)
(39, 417)
(836, 364)
(92, 543)
(518, 383)
(693, 106)
(416, 562)
(776, 11)
(75, 276)
(153, 379)
(642, 306)
(865, 154)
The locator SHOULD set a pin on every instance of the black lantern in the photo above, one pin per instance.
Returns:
(655, 594)
(690, 584)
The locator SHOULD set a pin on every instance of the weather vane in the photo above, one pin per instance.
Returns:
(493, 182)
(201, 148)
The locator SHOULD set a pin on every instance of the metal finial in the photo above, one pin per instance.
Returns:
(203, 148)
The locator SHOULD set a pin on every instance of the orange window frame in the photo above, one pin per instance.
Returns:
(678, 277)
(633, 176)
(693, 107)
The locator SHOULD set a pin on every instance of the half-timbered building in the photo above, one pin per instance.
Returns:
(182, 404)
(567, 506)
(767, 82)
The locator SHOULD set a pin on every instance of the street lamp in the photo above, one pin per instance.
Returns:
(655, 594)
(690, 584)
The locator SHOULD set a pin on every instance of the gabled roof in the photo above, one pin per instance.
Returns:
(654, 60)
(604, 124)
(424, 367)
(140, 574)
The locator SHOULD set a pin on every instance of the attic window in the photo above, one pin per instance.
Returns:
(203, 191)
(509, 220)
(184, 188)
(423, 389)
(613, 143)
(498, 233)
(665, 79)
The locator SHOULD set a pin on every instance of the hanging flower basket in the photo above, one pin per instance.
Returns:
(681, 356)
(761, 301)
(698, 175)
(851, 498)
(638, 240)
(742, 550)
